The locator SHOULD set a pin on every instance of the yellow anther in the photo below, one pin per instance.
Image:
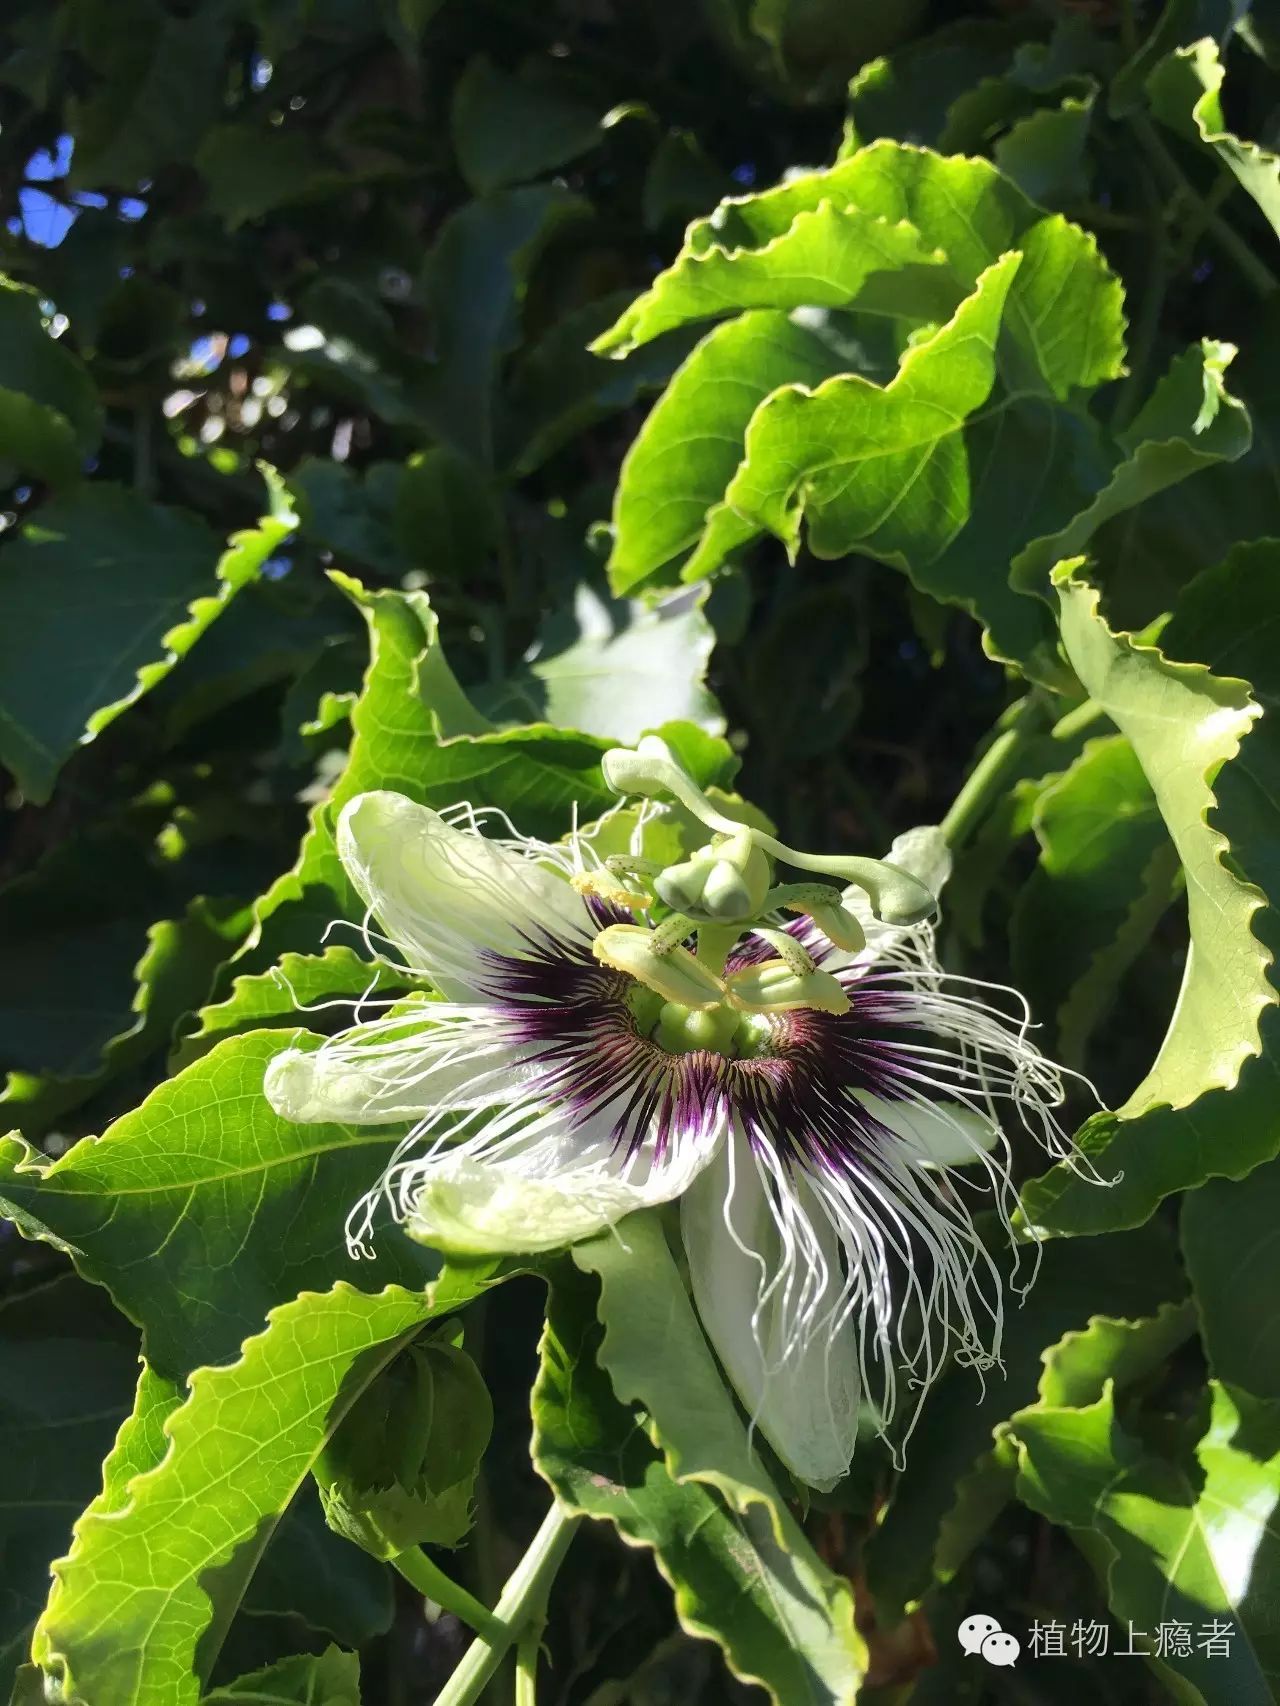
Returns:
(605, 886)
(841, 927)
(673, 973)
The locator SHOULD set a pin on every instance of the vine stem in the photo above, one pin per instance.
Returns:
(527, 1654)
(1155, 285)
(990, 775)
(519, 1611)
(433, 1584)
(994, 771)
(1255, 271)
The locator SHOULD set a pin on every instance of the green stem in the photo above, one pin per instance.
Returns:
(1256, 272)
(527, 1655)
(1078, 719)
(1193, 230)
(1155, 284)
(994, 771)
(524, 1598)
(997, 767)
(433, 1584)
(714, 943)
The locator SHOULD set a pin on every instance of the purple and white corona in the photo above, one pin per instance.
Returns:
(599, 1035)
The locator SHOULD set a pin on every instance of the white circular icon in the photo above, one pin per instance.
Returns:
(1001, 1649)
(983, 1635)
(974, 1631)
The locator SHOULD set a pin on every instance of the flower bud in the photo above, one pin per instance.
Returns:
(400, 1470)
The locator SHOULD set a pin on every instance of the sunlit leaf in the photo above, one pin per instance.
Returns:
(878, 470)
(781, 1617)
(1065, 309)
(1205, 739)
(1186, 92)
(201, 1209)
(675, 474)
(188, 1536)
(282, 995)
(331, 1678)
(614, 669)
(1170, 1550)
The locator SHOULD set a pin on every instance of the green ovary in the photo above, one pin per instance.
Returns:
(719, 1030)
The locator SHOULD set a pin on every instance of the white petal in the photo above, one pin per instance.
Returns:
(767, 1280)
(381, 1073)
(938, 1134)
(546, 1194)
(444, 896)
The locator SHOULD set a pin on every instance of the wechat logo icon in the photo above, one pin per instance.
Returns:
(983, 1635)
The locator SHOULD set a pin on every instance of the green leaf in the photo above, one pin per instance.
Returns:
(434, 513)
(674, 476)
(828, 255)
(1190, 421)
(656, 1355)
(191, 1531)
(252, 169)
(955, 1484)
(558, 388)
(103, 593)
(350, 513)
(310, 1579)
(156, 84)
(306, 1574)
(1033, 466)
(681, 180)
(508, 128)
(908, 95)
(1077, 1370)
(879, 470)
(1105, 877)
(1186, 92)
(476, 278)
(782, 1619)
(444, 518)
(1110, 1351)
(1169, 1551)
(50, 418)
(171, 979)
(201, 1210)
(331, 1678)
(1207, 1106)
(415, 732)
(66, 1380)
(281, 996)
(1233, 1262)
(1065, 309)
(614, 669)
(1045, 153)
